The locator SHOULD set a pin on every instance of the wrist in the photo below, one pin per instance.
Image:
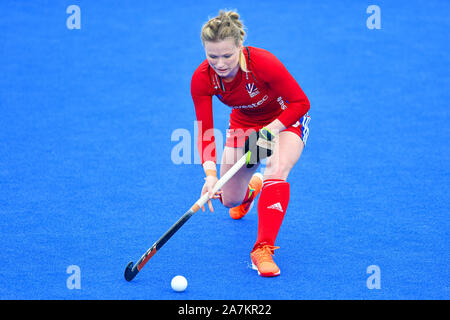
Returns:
(275, 127)
(211, 173)
(209, 167)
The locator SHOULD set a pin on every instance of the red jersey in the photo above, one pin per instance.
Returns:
(265, 93)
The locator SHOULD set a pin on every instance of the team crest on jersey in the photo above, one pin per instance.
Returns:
(251, 89)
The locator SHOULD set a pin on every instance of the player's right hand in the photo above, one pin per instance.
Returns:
(210, 182)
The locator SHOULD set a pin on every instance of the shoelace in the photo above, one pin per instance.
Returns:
(265, 253)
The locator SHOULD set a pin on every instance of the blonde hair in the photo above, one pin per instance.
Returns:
(226, 25)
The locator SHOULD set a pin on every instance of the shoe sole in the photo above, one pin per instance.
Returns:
(249, 209)
(254, 267)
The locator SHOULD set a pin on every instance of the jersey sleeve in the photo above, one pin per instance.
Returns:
(275, 74)
(202, 98)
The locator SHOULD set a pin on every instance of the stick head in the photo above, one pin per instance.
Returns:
(130, 273)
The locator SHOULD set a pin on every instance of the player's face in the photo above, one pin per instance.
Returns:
(223, 57)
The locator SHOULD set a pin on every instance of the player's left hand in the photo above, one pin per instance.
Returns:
(259, 146)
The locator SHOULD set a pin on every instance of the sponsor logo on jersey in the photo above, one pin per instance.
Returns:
(281, 102)
(253, 105)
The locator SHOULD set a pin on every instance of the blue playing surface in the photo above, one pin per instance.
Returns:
(88, 178)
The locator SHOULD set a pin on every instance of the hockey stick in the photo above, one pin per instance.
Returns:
(133, 269)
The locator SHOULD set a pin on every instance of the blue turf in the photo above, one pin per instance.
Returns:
(86, 176)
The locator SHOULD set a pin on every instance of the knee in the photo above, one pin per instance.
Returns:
(231, 202)
(277, 171)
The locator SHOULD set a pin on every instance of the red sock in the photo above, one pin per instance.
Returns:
(272, 205)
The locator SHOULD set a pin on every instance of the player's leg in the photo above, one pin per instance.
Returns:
(274, 199)
(253, 190)
(235, 191)
(286, 154)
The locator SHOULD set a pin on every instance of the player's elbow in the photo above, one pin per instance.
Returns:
(306, 104)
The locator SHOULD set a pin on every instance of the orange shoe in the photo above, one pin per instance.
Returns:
(262, 260)
(255, 186)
